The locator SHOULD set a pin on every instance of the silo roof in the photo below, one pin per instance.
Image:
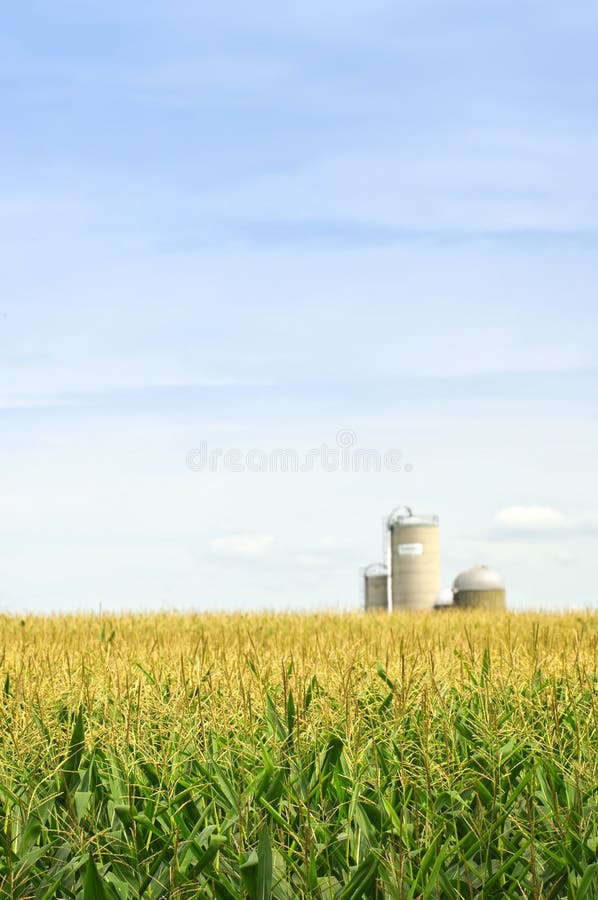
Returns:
(405, 517)
(478, 578)
(375, 570)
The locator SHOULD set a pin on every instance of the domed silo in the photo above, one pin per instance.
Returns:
(414, 548)
(376, 588)
(481, 588)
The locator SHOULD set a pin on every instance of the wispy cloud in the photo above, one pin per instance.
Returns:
(542, 522)
(530, 520)
(242, 546)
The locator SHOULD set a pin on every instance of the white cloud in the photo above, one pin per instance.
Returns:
(530, 520)
(242, 545)
(542, 521)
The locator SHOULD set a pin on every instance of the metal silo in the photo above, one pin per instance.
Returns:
(414, 550)
(376, 588)
(479, 587)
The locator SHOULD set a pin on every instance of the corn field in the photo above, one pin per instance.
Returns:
(452, 755)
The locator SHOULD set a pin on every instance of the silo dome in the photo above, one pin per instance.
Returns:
(375, 569)
(478, 578)
(404, 516)
(481, 587)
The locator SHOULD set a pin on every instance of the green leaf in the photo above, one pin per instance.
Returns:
(264, 865)
(72, 761)
(204, 858)
(290, 714)
(382, 674)
(425, 867)
(485, 666)
(588, 883)
(312, 688)
(93, 889)
(81, 800)
(29, 836)
(362, 880)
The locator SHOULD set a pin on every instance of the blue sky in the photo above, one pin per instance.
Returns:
(254, 227)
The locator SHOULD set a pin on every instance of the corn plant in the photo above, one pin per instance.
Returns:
(449, 756)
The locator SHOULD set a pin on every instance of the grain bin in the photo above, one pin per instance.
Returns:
(479, 587)
(376, 588)
(414, 550)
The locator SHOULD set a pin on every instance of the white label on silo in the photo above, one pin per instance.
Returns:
(411, 549)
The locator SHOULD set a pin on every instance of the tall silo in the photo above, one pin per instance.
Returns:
(376, 588)
(479, 587)
(414, 549)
